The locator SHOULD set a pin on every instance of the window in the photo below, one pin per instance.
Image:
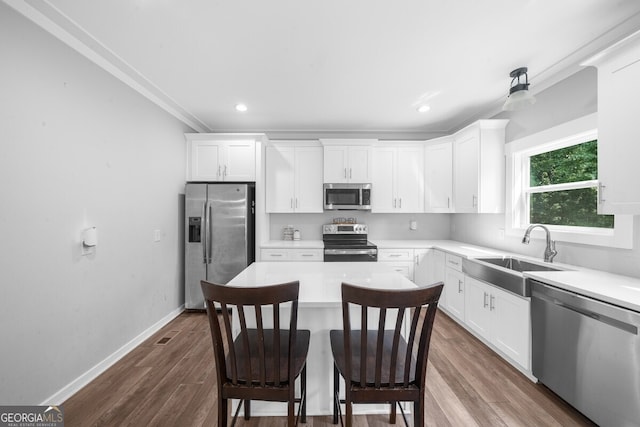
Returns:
(563, 187)
(552, 179)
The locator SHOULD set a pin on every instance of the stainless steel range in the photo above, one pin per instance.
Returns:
(347, 242)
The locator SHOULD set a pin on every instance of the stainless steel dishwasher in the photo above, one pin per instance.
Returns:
(587, 352)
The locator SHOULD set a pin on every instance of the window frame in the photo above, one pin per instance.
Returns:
(518, 152)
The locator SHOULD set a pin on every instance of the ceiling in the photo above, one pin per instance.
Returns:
(333, 65)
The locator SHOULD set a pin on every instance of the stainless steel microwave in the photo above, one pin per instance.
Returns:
(347, 197)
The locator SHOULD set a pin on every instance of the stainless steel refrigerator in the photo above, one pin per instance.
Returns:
(219, 235)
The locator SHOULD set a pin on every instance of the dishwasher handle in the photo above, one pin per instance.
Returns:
(618, 317)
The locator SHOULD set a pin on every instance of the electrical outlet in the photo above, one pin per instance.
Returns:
(413, 225)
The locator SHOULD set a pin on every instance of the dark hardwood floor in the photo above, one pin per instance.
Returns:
(172, 383)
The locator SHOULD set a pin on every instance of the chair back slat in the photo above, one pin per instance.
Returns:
(394, 349)
(276, 343)
(363, 344)
(382, 315)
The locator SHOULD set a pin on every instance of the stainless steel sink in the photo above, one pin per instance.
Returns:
(504, 272)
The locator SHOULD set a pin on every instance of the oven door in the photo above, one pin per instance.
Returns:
(351, 254)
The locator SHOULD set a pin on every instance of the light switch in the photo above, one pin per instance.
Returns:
(156, 235)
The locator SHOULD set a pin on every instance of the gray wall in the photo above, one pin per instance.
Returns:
(78, 148)
(572, 98)
(381, 226)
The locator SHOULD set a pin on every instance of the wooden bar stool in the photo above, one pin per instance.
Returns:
(262, 362)
(381, 365)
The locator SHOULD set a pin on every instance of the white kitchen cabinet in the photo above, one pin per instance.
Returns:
(401, 260)
(454, 287)
(501, 318)
(438, 175)
(479, 167)
(287, 254)
(221, 157)
(347, 161)
(398, 181)
(293, 178)
(429, 268)
(618, 106)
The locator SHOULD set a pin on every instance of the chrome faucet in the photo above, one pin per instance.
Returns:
(550, 251)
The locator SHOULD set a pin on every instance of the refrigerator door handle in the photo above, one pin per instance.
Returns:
(203, 232)
(207, 232)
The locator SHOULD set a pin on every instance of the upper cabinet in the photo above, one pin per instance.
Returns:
(294, 177)
(347, 160)
(221, 157)
(478, 167)
(438, 175)
(618, 148)
(398, 181)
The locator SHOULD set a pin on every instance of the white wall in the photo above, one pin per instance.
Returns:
(77, 149)
(570, 99)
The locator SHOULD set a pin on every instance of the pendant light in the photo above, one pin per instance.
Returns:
(519, 95)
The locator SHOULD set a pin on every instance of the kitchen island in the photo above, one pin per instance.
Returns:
(319, 310)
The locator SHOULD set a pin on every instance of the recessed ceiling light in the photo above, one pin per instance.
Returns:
(423, 108)
(241, 107)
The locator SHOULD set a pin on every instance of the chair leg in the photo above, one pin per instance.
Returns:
(223, 411)
(392, 417)
(336, 393)
(349, 412)
(291, 411)
(247, 409)
(303, 387)
(418, 412)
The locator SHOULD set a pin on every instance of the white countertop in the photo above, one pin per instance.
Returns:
(292, 244)
(616, 289)
(320, 281)
(612, 288)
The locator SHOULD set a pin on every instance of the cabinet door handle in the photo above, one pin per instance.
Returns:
(474, 201)
(400, 203)
(350, 173)
(345, 172)
(296, 202)
(459, 286)
(219, 170)
(291, 200)
(485, 303)
(394, 203)
(492, 303)
(224, 173)
(448, 202)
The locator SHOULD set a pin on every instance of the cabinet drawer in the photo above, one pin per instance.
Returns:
(404, 268)
(395, 254)
(307, 255)
(274, 255)
(454, 262)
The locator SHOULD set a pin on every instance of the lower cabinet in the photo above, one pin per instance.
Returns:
(501, 318)
(401, 260)
(454, 286)
(285, 254)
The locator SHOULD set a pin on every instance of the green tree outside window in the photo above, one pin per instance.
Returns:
(568, 207)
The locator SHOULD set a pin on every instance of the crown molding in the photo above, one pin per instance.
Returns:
(48, 17)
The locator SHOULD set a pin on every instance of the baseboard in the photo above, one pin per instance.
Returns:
(73, 387)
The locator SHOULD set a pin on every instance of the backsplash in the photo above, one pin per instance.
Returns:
(381, 226)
